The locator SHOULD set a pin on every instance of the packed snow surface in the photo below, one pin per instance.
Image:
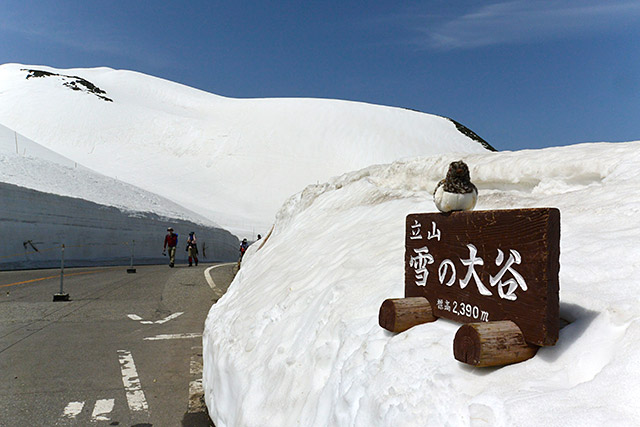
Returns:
(234, 161)
(295, 341)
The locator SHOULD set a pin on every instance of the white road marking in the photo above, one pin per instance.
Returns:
(172, 337)
(207, 276)
(102, 409)
(170, 317)
(156, 322)
(196, 396)
(195, 368)
(195, 387)
(135, 396)
(73, 409)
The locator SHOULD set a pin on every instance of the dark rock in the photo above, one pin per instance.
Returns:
(72, 82)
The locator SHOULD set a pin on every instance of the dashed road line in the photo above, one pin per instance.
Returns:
(196, 395)
(102, 409)
(195, 367)
(135, 396)
(172, 337)
(196, 391)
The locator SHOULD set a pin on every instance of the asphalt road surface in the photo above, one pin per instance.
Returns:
(125, 350)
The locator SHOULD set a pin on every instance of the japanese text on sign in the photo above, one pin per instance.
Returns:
(484, 266)
(447, 274)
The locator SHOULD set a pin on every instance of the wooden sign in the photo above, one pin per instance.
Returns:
(487, 266)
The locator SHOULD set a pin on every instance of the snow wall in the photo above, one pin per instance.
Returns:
(93, 234)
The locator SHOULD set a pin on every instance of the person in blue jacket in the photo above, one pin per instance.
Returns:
(243, 248)
(192, 249)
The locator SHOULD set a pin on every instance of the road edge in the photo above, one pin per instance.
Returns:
(208, 277)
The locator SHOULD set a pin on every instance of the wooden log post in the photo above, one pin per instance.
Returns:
(491, 344)
(400, 314)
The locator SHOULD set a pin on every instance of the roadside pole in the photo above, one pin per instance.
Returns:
(61, 296)
(131, 269)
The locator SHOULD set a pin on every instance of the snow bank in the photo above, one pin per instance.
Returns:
(34, 225)
(296, 341)
(28, 164)
(233, 160)
(49, 200)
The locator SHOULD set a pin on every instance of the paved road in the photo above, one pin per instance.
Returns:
(126, 350)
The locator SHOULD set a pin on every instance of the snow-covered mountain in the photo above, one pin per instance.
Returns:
(295, 341)
(234, 161)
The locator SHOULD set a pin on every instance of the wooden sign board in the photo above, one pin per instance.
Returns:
(488, 265)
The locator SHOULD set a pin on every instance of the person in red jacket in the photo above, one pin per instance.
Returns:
(170, 241)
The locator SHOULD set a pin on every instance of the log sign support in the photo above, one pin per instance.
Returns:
(400, 314)
(494, 271)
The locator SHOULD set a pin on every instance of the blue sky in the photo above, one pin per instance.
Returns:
(521, 74)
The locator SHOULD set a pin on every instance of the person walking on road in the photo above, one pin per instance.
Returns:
(243, 248)
(170, 241)
(192, 248)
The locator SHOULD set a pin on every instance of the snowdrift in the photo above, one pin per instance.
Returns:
(296, 341)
